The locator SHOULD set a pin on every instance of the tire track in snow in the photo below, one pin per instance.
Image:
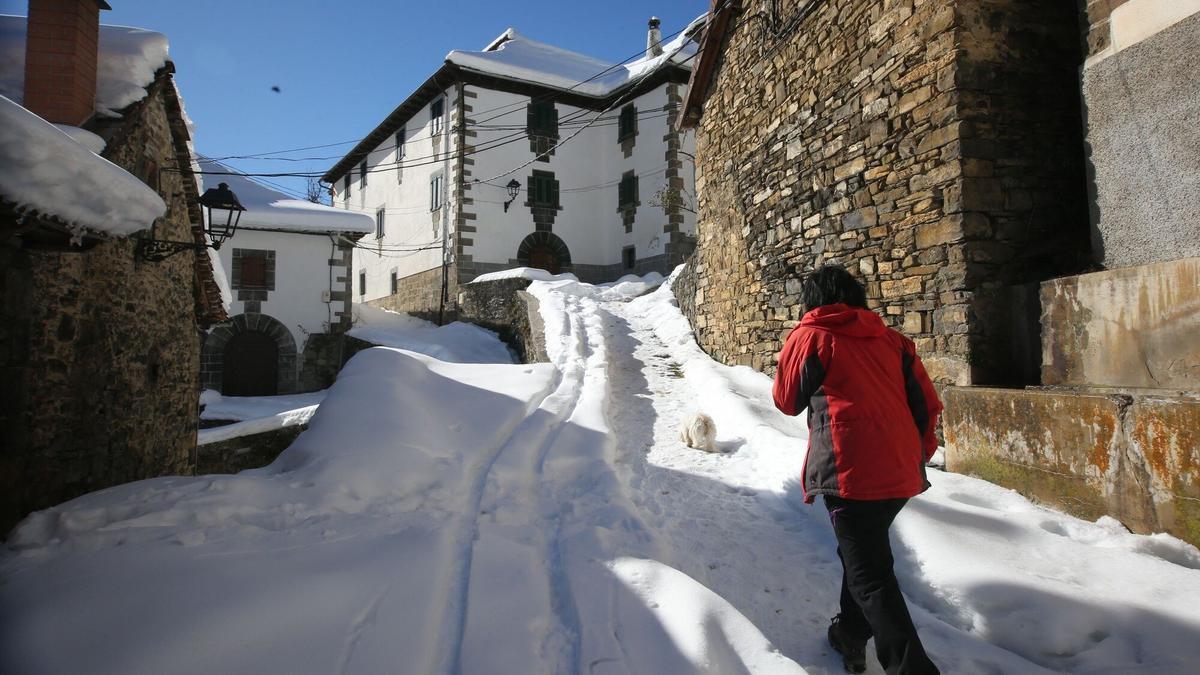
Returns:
(511, 614)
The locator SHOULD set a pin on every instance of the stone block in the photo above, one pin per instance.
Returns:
(1132, 327)
(944, 231)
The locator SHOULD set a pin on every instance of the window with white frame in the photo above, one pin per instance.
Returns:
(437, 110)
(362, 175)
(435, 192)
(379, 215)
(346, 188)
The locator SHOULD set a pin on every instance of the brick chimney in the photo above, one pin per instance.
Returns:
(61, 47)
(654, 38)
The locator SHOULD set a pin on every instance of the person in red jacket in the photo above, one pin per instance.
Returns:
(871, 417)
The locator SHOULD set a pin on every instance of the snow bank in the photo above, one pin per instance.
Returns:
(127, 60)
(254, 414)
(46, 171)
(335, 558)
(83, 137)
(532, 273)
(268, 209)
(455, 342)
(129, 57)
(256, 425)
(514, 56)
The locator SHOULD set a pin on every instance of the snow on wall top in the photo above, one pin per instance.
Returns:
(267, 209)
(47, 171)
(514, 56)
(126, 64)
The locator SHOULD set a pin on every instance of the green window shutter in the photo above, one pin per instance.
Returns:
(554, 192)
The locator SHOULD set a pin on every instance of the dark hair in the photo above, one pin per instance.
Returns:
(829, 285)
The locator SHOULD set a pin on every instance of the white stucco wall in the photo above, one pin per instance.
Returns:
(409, 224)
(588, 168)
(302, 274)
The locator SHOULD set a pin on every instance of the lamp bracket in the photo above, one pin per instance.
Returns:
(157, 250)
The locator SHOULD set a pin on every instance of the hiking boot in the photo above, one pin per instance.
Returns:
(853, 650)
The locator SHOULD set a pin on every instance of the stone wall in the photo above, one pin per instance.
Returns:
(99, 349)
(420, 295)
(245, 452)
(504, 306)
(933, 148)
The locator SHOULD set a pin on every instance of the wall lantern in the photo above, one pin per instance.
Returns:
(223, 210)
(514, 189)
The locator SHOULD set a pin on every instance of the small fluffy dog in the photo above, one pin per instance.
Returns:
(699, 432)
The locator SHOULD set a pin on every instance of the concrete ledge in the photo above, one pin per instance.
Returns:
(1135, 457)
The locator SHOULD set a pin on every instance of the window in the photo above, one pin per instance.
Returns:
(401, 137)
(435, 192)
(362, 175)
(346, 186)
(437, 110)
(395, 284)
(542, 119)
(629, 257)
(379, 214)
(543, 189)
(627, 191)
(254, 271)
(362, 282)
(627, 123)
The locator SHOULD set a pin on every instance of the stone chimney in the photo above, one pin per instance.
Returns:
(654, 38)
(61, 47)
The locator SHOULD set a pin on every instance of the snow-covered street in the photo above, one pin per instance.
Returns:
(441, 517)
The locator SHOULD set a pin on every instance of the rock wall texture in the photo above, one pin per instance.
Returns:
(420, 295)
(99, 350)
(245, 452)
(1143, 140)
(933, 148)
(505, 307)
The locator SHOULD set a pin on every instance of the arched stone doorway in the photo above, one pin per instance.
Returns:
(544, 250)
(254, 353)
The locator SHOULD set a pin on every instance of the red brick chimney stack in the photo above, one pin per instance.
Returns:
(60, 59)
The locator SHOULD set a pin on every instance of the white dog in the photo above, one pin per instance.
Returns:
(699, 432)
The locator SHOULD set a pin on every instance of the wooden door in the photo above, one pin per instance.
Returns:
(542, 257)
(251, 366)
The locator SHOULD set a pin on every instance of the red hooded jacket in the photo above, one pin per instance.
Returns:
(871, 407)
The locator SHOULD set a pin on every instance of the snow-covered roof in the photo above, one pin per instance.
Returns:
(46, 171)
(514, 56)
(268, 209)
(128, 58)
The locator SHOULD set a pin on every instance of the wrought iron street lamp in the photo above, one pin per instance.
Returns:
(223, 210)
(514, 189)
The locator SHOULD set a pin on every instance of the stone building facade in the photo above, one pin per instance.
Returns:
(934, 148)
(1015, 182)
(99, 347)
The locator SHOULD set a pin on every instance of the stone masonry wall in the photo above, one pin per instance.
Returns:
(100, 350)
(420, 295)
(903, 140)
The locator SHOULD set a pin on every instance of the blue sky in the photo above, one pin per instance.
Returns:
(343, 65)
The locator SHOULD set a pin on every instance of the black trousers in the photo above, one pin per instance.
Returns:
(871, 601)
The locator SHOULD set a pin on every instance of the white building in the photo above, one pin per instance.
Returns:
(589, 150)
(288, 267)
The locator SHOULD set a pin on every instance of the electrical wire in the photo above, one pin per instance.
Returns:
(513, 106)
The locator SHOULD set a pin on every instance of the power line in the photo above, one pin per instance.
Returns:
(514, 106)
